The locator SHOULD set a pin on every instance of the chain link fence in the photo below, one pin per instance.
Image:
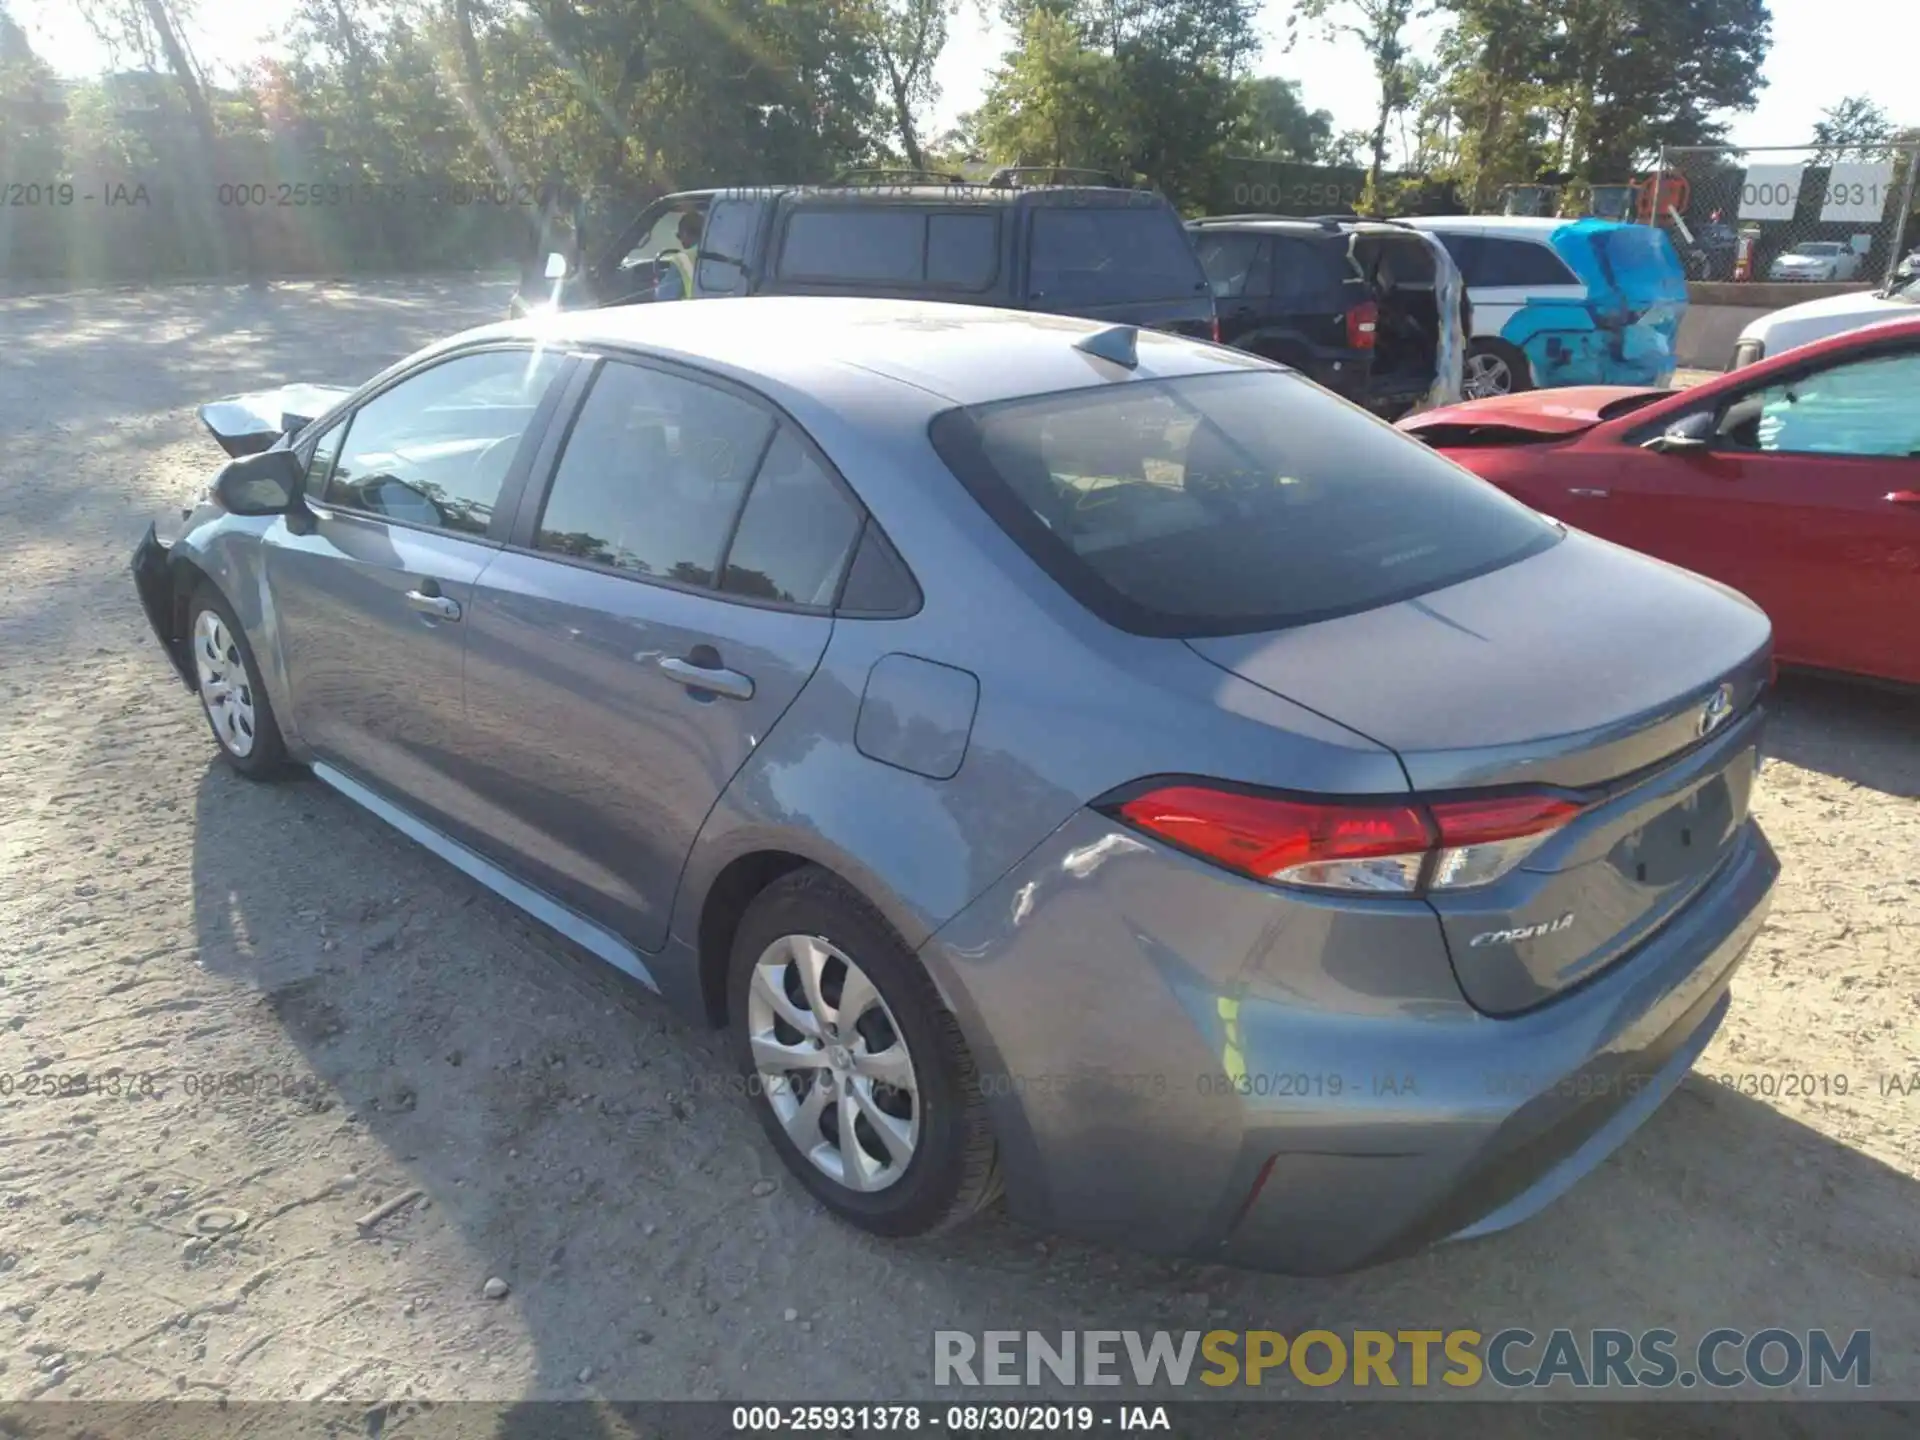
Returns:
(1832, 214)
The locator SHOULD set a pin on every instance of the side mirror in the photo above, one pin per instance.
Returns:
(264, 484)
(1689, 435)
(556, 266)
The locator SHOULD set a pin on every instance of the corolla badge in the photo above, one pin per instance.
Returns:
(1522, 932)
(1715, 713)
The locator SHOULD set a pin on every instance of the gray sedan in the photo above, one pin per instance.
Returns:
(1072, 761)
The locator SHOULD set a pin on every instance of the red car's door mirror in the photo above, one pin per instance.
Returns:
(1689, 435)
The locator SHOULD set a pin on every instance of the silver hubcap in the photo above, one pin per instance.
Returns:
(1487, 374)
(224, 687)
(832, 1063)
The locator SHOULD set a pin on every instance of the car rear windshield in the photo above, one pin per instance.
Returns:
(1100, 254)
(1223, 504)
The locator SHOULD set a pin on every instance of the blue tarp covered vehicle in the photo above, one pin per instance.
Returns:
(1566, 302)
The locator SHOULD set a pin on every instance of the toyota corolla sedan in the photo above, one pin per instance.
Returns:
(1070, 761)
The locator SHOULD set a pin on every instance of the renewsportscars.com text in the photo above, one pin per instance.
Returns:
(1512, 1358)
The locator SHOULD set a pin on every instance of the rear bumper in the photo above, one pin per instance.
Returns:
(1176, 1063)
(153, 579)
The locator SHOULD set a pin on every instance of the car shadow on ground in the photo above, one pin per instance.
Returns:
(1850, 730)
(588, 1146)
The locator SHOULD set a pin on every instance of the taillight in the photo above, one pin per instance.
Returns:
(1363, 320)
(1481, 840)
(1352, 845)
(1216, 329)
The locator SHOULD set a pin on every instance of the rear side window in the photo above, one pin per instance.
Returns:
(1307, 276)
(1235, 264)
(874, 244)
(796, 532)
(1096, 255)
(654, 471)
(1224, 504)
(1488, 260)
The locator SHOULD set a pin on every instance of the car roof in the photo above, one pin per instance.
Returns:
(1522, 227)
(953, 354)
(912, 193)
(1298, 224)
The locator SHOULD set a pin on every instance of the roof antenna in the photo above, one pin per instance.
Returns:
(1116, 343)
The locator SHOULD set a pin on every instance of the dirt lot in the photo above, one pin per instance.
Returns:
(409, 1033)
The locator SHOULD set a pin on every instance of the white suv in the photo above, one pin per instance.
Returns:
(1817, 319)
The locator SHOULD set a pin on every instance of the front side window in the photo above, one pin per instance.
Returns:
(435, 449)
(1224, 504)
(321, 458)
(653, 473)
(1864, 407)
(724, 246)
(1101, 254)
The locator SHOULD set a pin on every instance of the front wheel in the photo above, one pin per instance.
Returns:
(858, 1073)
(231, 694)
(1495, 368)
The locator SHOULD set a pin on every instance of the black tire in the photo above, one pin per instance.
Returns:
(954, 1170)
(267, 760)
(1518, 369)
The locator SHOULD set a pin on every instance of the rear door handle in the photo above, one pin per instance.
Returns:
(1586, 492)
(714, 679)
(437, 605)
(1905, 497)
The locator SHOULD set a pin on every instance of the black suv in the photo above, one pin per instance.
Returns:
(1349, 303)
(1099, 251)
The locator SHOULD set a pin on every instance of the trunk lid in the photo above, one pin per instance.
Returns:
(1585, 669)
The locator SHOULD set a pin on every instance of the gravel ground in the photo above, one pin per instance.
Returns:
(446, 1095)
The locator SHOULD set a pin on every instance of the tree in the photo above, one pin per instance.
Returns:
(1147, 87)
(1646, 73)
(909, 36)
(154, 30)
(1279, 126)
(31, 141)
(1855, 124)
(1380, 27)
(1053, 101)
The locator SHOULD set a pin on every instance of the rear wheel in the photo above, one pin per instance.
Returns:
(858, 1073)
(231, 694)
(1495, 368)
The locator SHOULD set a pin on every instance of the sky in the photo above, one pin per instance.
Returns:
(1822, 51)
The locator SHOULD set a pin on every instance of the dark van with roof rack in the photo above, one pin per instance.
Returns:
(1062, 241)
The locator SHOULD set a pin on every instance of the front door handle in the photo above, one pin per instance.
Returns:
(711, 678)
(434, 604)
(1904, 497)
(1586, 492)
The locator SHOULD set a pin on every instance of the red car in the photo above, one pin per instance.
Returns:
(1796, 481)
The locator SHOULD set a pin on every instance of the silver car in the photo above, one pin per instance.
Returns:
(1072, 761)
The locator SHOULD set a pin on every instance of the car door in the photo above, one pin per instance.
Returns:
(1807, 500)
(371, 583)
(663, 602)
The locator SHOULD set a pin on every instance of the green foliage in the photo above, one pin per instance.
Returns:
(1852, 125)
(1277, 126)
(1144, 87)
(1588, 88)
(1380, 28)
